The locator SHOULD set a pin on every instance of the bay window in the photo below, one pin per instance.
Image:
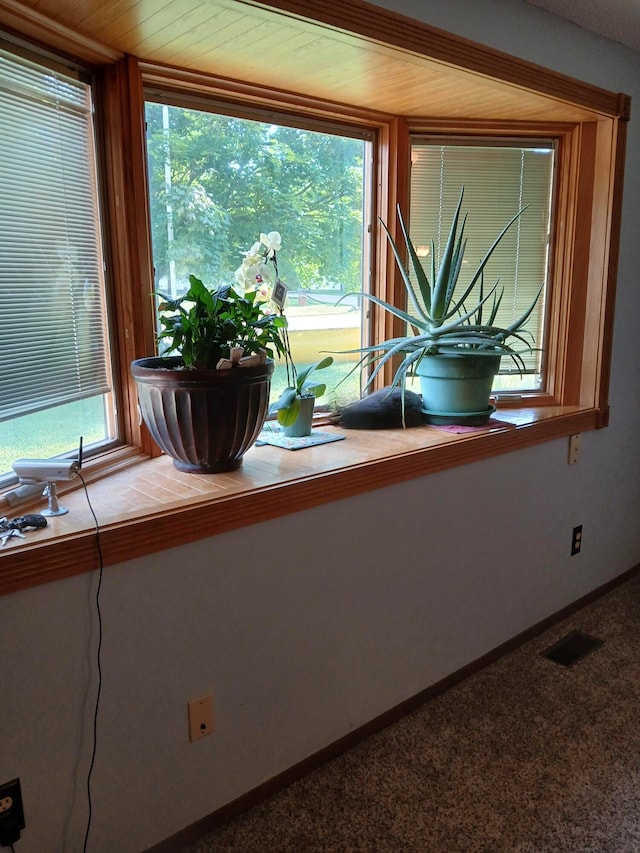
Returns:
(512, 133)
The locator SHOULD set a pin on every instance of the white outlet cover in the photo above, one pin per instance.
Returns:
(200, 717)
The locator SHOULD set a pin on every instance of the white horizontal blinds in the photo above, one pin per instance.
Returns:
(498, 180)
(53, 341)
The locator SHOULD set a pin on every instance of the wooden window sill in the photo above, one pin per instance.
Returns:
(150, 506)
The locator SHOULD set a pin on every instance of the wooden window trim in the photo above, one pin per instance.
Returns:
(129, 233)
(588, 213)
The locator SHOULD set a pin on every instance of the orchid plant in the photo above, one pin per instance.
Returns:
(287, 407)
(255, 273)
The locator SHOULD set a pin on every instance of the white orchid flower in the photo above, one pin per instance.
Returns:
(252, 276)
(263, 293)
(264, 272)
(240, 277)
(255, 273)
(272, 241)
(253, 256)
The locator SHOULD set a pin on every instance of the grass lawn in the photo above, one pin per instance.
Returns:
(52, 432)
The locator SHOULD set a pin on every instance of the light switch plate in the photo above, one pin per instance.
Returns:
(574, 448)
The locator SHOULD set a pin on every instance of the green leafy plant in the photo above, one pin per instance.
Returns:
(204, 325)
(441, 322)
(287, 406)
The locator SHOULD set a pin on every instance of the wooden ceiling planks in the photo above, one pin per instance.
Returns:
(278, 46)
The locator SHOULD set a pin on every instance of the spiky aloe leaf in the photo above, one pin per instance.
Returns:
(401, 372)
(495, 245)
(461, 319)
(422, 322)
(374, 348)
(519, 323)
(452, 250)
(459, 304)
(434, 272)
(495, 307)
(413, 347)
(456, 266)
(423, 282)
(470, 344)
(426, 286)
(478, 317)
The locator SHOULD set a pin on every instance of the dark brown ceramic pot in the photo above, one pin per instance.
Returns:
(204, 419)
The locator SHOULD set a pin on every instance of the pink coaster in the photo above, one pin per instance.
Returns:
(493, 423)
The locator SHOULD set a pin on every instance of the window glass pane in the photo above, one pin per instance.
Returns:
(498, 181)
(56, 432)
(53, 333)
(218, 181)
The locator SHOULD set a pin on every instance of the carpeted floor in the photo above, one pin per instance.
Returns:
(526, 756)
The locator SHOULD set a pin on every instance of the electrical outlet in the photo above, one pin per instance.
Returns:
(576, 540)
(200, 717)
(11, 812)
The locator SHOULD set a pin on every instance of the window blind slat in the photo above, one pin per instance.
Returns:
(53, 337)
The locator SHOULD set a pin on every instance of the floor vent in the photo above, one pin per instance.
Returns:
(572, 648)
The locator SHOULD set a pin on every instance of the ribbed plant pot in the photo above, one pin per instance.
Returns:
(456, 388)
(205, 420)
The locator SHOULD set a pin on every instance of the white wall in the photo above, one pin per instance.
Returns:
(300, 644)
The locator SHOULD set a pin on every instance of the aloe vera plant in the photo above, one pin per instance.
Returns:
(440, 320)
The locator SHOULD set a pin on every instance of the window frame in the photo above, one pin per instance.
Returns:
(587, 214)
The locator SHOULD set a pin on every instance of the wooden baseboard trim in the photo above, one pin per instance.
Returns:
(221, 816)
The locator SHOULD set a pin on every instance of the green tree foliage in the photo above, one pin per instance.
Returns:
(216, 181)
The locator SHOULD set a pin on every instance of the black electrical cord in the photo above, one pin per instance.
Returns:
(99, 666)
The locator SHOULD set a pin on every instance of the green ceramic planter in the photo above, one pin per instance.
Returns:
(303, 423)
(456, 388)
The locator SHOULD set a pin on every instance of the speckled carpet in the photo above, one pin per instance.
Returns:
(526, 756)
